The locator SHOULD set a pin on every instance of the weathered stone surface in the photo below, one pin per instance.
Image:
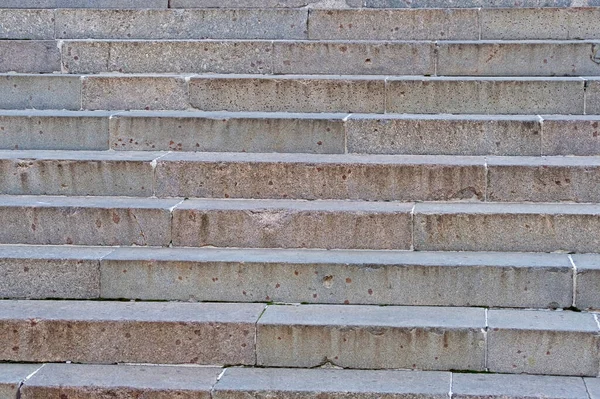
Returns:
(393, 24)
(41, 272)
(484, 95)
(288, 93)
(85, 4)
(228, 131)
(53, 130)
(134, 92)
(261, 3)
(478, 3)
(371, 337)
(29, 56)
(592, 97)
(239, 383)
(506, 227)
(571, 135)
(542, 342)
(54, 381)
(444, 134)
(593, 387)
(21, 91)
(127, 332)
(86, 220)
(293, 224)
(588, 281)
(11, 376)
(26, 24)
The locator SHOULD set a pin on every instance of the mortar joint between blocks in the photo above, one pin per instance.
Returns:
(574, 280)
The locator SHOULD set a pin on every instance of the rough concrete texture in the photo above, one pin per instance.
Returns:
(26, 24)
(11, 376)
(571, 135)
(592, 97)
(20, 91)
(354, 58)
(134, 92)
(293, 224)
(478, 3)
(506, 227)
(372, 337)
(588, 281)
(85, 4)
(543, 179)
(393, 24)
(227, 131)
(264, 3)
(444, 134)
(593, 387)
(85, 220)
(55, 381)
(304, 176)
(542, 342)
(182, 24)
(31, 56)
(469, 386)
(128, 332)
(59, 173)
(53, 130)
(288, 93)
(484, 95)
(238, 383)
(336, 277)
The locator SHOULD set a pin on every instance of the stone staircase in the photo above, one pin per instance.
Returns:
(298, 199)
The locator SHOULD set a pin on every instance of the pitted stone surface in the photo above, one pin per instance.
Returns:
(26, 24)
(12, 375)
(571, 135)
(22, 91)
(588, 280)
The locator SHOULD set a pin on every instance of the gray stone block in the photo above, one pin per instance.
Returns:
(542, 342)
(41, 272)
(97, 381)
(26, 24)
(571, 135)
(469, 386)
(40, 91)
(478, 3)
(593, 387)
(371, 337)
(543, 179)
(86, 220)
(60, 173)
(484, 95)
(228, 131)
(293, 224)
(307, 93)
(262, 3)
(85, 4)
(353, 58)
(588, 281)
(592, 97)
(316, 176)
(29, 56)
(235, 23)
(238, 383)
(506, 227)
(444, 135)
(53, 130)
(107, 92)
(517, 58)
(11, 376)
(366, 24)
(129, 332)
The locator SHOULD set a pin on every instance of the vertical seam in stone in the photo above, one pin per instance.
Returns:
(586, 388)
(153, 164)
(54, 25)
(385, 90)
(82, 79)
(450, 393)
(256, 335)
(307, 25)
(574, 296)
(27, 379)
(187, 80)
(585, 86)
(59, 45)
(541, 120)
(171, 209)
(344, 121)
(597, 321)
(412, 227)
(100, 261)
(485, 340)
(486, 173)
(212, 388)
(479, 24)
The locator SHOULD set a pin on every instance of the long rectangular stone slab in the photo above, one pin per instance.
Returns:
(293, 224)
(372, 337)
(316, 176)
(26, 24)
(593, 387)
(258, 3)
(478, 3)
(29, 56)
(25, 91)
(86, 220)
(85, 4)
(592, 96)
(126, 332)
(571, 135)
(506, 227)
(238, 383)
(11, 377)
(337, 276)
(587, 295)
(95, 381)
(543, 342)
(40, 272)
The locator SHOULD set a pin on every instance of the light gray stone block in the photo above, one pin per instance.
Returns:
(85, 4)
(11, 376)
(348, 58)
(41, 272)
(306, 93)
(107, 92)
(588, 281)
(516, 386)
(593, 387)
(444, 135)
(371, 337)
(97, 381)
(53, 130)
(292, 224)
(366, 24)
(262, 3)
(29, 56)
(239, 383)
(484, 95)
(86, 220)
(542, 342)
(20, 91)
(26, 24)
(227, 131)
(129, 332)
(592, 97)
(506, 227)
(571, 135)
(478, 3)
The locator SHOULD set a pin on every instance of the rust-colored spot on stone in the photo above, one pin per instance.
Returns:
(15, 348)
(178, 342)
(348, 280)
(116, 218)
(25, 269)
(33, 226)
(277, 285)
(127, 335)
(346, 302)
(296, 272)
(370, 291)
